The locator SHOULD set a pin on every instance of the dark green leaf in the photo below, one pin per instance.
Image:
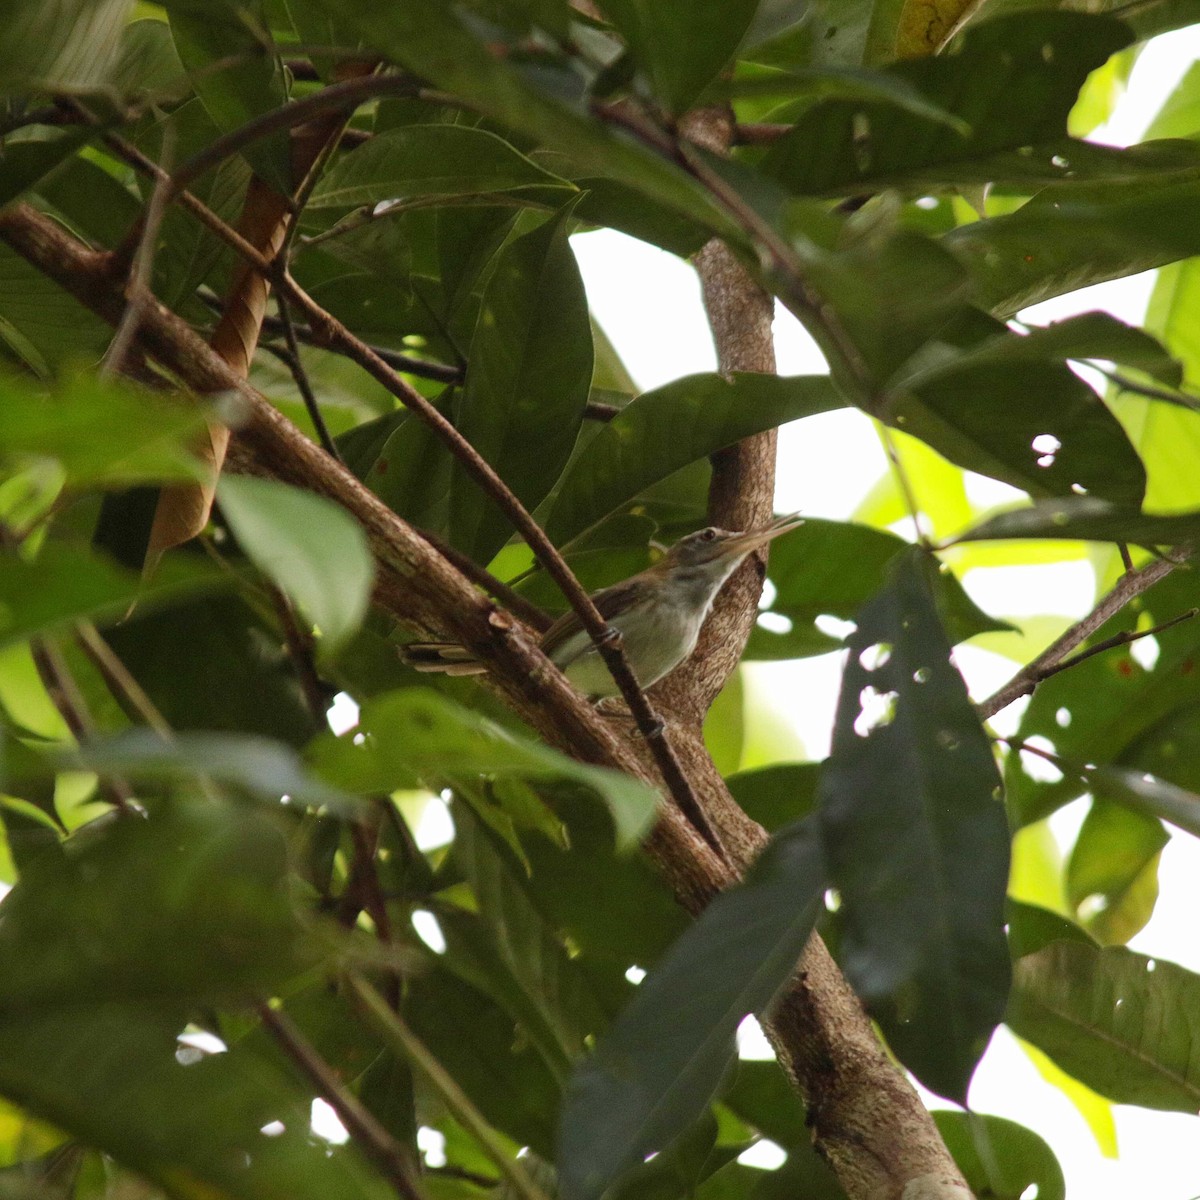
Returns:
(476, 1042)
(1035, 425)
(663, 430)
(681, 45)
(214, 664)
(529, 951)
(528, 376)
(191, 1129)
(429, 160)
(427, 37)
(69, 45)
(24, 164)
(102, 434)
(246, 763)
(417, 734)
(844, 146)
(187, 906)
(65, 584)
(1001, 1159)
(236, 71)
(312, 549)
(1087, 519)
(833, 568)
(1030, 928)
(1126, 1025)
(1072, 235)
(654, 1072)
(777, 795)
(917, 839)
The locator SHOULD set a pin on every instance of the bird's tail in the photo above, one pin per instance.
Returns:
(445, 658)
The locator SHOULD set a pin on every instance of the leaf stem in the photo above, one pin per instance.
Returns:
(393, 1029)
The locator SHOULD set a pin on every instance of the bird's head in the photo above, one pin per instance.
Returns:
(721, 547)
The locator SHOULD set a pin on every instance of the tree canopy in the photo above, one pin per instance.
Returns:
(297, 366)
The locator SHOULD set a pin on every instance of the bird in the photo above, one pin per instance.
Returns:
(658, 612)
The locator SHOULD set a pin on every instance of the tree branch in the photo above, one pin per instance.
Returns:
(362, 1125)
(1132, 584)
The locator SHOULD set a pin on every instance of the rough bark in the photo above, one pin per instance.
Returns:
(865, 1118)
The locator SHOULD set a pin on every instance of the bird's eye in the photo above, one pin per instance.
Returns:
(709, 535)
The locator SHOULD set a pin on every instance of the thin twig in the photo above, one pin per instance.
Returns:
(126, 690)
(905, 484)
(296, 366)
(362, 1125)
(759, 133)
(1112, 643)
(142, 264)
(512, 600)
(348, 95)
(422, 368)
(392, 1028)
(1126, 557)
(1132, 584)
(64, 693)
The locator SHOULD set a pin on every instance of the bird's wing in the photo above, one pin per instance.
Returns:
(609, 601)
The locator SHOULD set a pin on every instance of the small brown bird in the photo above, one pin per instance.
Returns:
(659, 613)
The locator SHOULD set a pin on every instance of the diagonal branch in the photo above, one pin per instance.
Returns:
(1131, 584)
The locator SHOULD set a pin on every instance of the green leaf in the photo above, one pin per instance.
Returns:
(1000, 1158)
(854, 147)
(528, 376)
(910, 792)
(1072, 235)
(1141, 792)
(553, 986)
(188, 906)
(655, 1071)
(1088, 519)
(682, 46)
(104, 434)
(1112, 873)
(833, 568)
(189, 1129)
(663, 430)
(1126, 1025)
(234, 66)
(419, 735)
(245, 763)
(26, 163)
(430, 39)
(65, 584)
(69, 45)
(311, 548)
(1012, 409)
(1088, 336)
(429, 160)
(214, 664)
(777, 795)
(1030, 928)
(1109, 710)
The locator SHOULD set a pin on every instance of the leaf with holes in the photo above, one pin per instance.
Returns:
(910, 793)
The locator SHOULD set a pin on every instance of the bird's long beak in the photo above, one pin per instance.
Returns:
(745, 543)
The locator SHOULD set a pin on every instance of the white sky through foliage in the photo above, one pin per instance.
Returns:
(649, 304)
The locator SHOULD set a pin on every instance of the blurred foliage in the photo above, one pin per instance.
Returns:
(187, 842)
